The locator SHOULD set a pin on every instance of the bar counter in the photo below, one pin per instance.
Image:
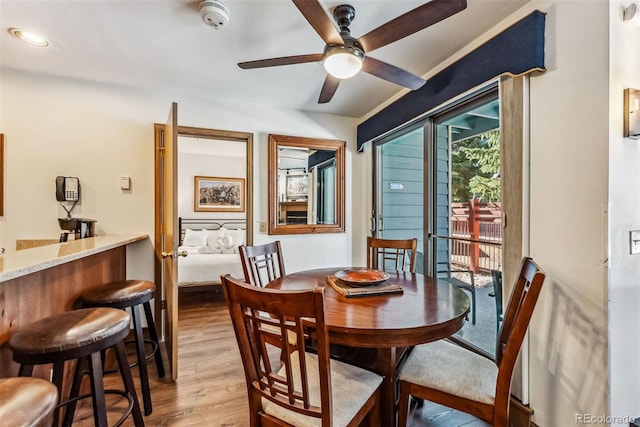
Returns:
(20, 263)
(38, 282)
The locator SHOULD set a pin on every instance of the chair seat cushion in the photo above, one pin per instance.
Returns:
(351, 387)
(444, 366)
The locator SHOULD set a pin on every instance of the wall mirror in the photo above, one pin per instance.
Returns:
(306, 185)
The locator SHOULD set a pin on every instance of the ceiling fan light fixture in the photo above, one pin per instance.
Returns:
(343, 62)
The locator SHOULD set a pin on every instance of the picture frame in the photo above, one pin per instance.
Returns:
(218, 194)
(297, 186)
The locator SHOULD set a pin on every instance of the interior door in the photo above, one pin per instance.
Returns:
(169, 241)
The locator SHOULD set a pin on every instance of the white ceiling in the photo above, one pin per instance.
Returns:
(163, 46)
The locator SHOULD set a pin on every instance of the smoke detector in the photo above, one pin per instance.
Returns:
(214, 13)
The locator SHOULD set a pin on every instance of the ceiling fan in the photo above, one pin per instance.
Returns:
(344, 56)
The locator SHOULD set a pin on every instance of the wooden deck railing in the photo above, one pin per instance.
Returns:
(476, 235)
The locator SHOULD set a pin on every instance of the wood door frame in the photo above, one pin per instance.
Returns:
(206, 133)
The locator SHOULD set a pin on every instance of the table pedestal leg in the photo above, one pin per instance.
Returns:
(387, 367)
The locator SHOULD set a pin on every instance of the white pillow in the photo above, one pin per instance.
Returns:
(209, 250)
(232, 239)
(212, 239)
(224, 242)
(195, 237)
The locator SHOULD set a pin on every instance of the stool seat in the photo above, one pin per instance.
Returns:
(69, 335)
(26, 401)
(131, 294)
(81, 335)
(120, 294)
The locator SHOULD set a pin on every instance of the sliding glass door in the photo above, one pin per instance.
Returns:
(465, 225)
(439, 181)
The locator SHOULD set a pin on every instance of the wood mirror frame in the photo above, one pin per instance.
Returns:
(277, 142)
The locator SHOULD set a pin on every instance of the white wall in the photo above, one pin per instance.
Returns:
(624, 215)
(60, 127)
(569, 167)
(191, 165)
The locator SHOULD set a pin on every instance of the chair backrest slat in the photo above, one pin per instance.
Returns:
(516, 319)
(261, 314)
(262, 263)
(391, 254)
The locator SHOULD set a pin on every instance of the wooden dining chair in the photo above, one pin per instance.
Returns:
(262, 263)
(308, 389)
(450, 375)
(391, 254)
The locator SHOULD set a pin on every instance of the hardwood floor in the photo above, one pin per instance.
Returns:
(210, 390)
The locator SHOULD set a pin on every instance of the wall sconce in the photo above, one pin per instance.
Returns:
(632, 113)
(631, 14)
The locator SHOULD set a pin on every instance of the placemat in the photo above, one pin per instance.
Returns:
(349, 291)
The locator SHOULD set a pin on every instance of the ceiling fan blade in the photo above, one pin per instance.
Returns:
(328, 89)
(411, 22)
(392, 73)
(317, 17)
(283, 60)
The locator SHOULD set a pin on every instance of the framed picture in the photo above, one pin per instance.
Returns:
(297, 186)
(214, 194)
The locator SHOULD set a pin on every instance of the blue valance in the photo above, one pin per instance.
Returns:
(517, 50)
(320, 156)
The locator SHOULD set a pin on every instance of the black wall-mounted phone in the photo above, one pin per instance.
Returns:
(67, 189)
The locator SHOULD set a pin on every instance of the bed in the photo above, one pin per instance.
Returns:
(212, 247)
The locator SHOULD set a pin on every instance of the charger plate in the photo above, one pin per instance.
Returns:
(362, 276)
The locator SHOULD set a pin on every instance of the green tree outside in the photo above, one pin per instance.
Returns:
(474, 162)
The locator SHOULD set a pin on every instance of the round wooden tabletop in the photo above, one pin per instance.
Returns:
(427, 310)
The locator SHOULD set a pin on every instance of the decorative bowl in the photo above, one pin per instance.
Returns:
(362, 276)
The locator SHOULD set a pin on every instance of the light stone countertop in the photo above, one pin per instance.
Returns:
(15, 264)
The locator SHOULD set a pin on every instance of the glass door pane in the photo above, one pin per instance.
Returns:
(467, 210)
(399, 190)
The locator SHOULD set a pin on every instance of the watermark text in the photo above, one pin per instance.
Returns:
(604, 419)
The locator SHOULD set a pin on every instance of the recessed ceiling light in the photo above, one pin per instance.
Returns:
(28, 37)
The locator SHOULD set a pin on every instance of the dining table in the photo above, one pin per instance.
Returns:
(386, 326)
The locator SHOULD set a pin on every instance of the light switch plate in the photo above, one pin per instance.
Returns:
(634, 241)
(263, 226)
(125, 183)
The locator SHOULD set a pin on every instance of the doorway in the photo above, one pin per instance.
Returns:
(212, 142)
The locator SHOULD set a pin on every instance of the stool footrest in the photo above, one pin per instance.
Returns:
(154, 349)
(122, 393)
(147, 356)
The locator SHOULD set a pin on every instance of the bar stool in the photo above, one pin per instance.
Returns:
(83, 335)
(26, 401)
(131, 294)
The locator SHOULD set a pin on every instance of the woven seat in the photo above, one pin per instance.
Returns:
(131, 294)
(26, 401)
(82, 335)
